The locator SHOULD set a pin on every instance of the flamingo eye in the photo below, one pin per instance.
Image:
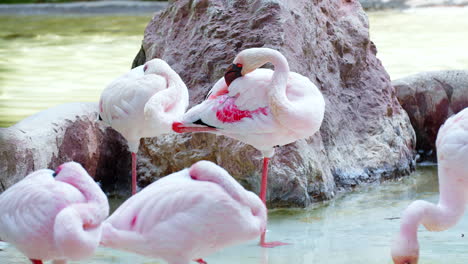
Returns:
(145, 67)
(239, 65)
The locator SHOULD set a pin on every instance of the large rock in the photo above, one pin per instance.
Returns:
(365, 136)
(68, 132)
(430, 98)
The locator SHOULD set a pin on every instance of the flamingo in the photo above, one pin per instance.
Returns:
(260, 107)
(54, 215)
(186, 215)
(452, 157)
(144, 103)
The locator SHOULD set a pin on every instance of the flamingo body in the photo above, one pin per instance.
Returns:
(49, 218)
(452, 157)
(187, 215)
(144, 103)
(260, 107)
(242, 110)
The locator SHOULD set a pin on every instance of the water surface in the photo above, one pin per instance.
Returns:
(352, 229)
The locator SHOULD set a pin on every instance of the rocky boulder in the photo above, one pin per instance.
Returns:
(430, 98)
(68, 132)
(366, 136)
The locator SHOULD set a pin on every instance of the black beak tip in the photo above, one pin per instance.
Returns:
(233, 72)
(54, 174)
(100, 118)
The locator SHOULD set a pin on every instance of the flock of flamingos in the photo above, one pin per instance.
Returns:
(64, 215)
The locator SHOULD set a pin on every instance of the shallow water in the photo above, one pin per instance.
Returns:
(48, 60)
(352, 229)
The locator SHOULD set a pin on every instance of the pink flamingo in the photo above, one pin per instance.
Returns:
(186, 215)
(49, 218)
(452, 156)
(144, 103)
(260, 107)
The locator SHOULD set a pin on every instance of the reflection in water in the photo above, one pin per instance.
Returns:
(355, 228)
(48, 60)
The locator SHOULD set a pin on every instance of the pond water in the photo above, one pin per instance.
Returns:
(355, 228)
(48, 60)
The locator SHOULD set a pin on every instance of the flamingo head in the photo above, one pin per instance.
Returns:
(156, 66)
(70, 172)
(253, 58)
(405, 251)
(233, 72)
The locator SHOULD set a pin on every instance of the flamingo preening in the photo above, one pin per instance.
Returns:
(260, 107)
(186, 215)
(54, 215)
(144, 103)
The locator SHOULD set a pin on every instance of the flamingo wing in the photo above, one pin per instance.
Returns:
(29, 207)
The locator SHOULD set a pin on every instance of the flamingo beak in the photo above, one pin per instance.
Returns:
(233, 72)
(179, 127)
(59, 168)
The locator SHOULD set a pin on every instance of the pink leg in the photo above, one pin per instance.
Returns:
(133, 173)
(200, 261)
(263, 188)
(35, 261)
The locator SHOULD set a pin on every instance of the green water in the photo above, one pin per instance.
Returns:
(48, 60)
(352, 229)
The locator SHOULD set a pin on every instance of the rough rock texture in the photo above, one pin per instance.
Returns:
(366, 135)
(64, 133)
(403, 4)
(430, 98)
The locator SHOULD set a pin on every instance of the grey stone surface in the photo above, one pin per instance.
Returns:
(430, 98)
(366, 136)
(68, 132)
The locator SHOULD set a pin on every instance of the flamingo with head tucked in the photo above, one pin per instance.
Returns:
(144, 103)
(54, 215)
(260, 107)
(186, 215)
(452, 157)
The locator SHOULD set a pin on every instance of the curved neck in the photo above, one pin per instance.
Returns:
(90, 190)
(445, 214)
(279, 79)
(174, 82)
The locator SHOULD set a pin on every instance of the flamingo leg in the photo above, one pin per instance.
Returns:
(133, 173)
(263, 188)
(35, 261)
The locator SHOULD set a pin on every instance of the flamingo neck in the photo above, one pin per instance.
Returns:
(175, 83)
(445, 214)
(279, 79)
(90, 190)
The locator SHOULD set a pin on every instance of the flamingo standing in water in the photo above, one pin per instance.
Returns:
(260, 107)
(144, 103)
(452, 157)
(186, 215)
(49, 218)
